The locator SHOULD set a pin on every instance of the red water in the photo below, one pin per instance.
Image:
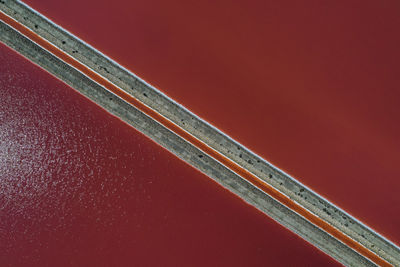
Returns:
(319, 80)
(81, 188)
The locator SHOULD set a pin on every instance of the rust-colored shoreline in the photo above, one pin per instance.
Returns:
(196, 142)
